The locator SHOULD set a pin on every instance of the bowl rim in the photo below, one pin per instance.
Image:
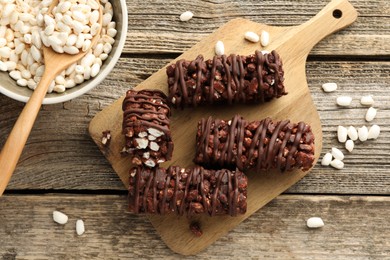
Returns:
(95, 81)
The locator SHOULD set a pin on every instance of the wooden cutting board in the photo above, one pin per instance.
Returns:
(293, 44)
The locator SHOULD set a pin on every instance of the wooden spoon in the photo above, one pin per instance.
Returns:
(54, 64)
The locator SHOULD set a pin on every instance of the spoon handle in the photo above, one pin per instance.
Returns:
(16, 140)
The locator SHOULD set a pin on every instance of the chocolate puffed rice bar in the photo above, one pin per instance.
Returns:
(261, 145)
(189, 191)
(255, 78)
(146, 127)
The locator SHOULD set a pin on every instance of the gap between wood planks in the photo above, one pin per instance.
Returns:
(105, 192)
(367, 58)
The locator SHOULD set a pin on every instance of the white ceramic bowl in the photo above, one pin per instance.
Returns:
(9, 88)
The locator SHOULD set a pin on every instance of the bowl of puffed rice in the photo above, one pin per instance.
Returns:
(27, 26)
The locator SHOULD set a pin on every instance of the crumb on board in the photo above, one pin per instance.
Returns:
(195, 228)
(106, 137)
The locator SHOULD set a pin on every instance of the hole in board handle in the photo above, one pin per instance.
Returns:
(337, 13)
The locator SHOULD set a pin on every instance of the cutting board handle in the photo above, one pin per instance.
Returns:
(333, 17)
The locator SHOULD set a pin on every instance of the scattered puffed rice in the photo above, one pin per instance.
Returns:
(338, 164)
(60, 217)
(344, 101)
(352, 133)
(370, 115)
(349, 145)
(329, 87)
(374, 132)
(315, 222)
(264, 38)
(363, 133)
(252, 37)
(80, 228)
(337, 153)
(186, 16)
(219, 48)
(367, 100)
(342, 133)
(326, 159)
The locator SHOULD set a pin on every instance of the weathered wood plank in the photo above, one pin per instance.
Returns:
(356, 228)
(157, 24)
(61, 155)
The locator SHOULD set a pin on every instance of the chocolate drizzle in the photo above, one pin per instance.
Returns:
(262, 145)
(255, 78)
(148, 106)
(188, 191)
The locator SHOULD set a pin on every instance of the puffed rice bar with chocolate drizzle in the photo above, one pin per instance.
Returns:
(189, 191)
(146, 127)
(260, 145)
(255, 78)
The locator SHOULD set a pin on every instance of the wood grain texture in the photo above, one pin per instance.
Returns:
(355, 228)
(61, 155)
(158, 24)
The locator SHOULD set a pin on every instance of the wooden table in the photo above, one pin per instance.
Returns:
(62, 169)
